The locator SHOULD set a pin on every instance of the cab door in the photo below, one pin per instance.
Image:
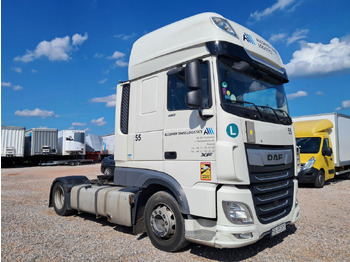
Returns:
(328, 158)
(187, 136)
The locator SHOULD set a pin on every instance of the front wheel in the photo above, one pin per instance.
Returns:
(164, 222)
(59, 200)
(320, 178)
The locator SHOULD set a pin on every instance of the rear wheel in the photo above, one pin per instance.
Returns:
(164, 222)
(320, 178)
(59, 200)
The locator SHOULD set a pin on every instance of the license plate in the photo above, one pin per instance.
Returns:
(279, 229)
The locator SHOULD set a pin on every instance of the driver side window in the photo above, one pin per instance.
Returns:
(177, 89)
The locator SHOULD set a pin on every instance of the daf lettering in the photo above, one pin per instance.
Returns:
(274, 157)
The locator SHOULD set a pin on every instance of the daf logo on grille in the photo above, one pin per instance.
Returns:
(271, 157)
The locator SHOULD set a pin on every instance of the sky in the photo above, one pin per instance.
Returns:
(61, 60)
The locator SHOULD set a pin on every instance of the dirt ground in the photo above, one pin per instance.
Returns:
(30, 231)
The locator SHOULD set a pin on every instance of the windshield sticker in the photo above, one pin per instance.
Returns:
(205, 171)
(232, 130)
(224, 84)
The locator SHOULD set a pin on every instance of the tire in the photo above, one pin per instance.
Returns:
(164, 222)
(108, 171)
(59, 200)
(320, 178)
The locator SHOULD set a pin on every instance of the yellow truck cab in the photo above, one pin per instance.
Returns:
(316, 153)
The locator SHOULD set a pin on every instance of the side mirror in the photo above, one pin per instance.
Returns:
(194, 99)
(327, 152)
(193, 75)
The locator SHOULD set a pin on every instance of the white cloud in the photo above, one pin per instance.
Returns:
(17, 87)
(320, 93)
(58, 49)
(279, 5)
(125, 37)
(78, 124)
(297, 35)
(99, 55)
(17, 69)
(36, 112)
(99, 121)
(121, 63)
(116, 55)
(346, 104)
(6, 84)
(14, 87)
(109, 100)
(320, 59)
(296, 95)
(277, 37)
(102, 81)
(79, 39)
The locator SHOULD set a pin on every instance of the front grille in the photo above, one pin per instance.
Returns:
(271, 182)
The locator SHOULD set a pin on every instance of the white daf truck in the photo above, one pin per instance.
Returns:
(205, 148)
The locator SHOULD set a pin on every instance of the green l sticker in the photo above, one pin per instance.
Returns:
(232, 130)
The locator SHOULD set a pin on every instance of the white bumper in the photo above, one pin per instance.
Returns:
(224, 234)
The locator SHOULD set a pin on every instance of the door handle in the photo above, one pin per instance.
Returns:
(170, 155)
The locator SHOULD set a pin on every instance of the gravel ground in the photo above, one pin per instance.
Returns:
(30, 231)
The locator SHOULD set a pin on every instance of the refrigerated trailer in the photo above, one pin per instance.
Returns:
(71, 143)
(324, 142)
(205, 149)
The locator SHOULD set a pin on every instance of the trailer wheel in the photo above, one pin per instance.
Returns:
(59, 200)
(320, 178)
(164, 222)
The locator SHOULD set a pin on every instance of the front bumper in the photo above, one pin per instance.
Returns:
(221, 233)
(308, 176)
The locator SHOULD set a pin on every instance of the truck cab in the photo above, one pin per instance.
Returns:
(316, 151)
(205, 150)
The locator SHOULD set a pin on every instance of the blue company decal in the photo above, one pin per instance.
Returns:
(232, 130)
(209, 131)
(248, 38)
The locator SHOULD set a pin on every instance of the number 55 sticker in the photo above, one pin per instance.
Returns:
(138, 137)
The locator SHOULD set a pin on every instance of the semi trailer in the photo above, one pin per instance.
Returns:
(324, 142)
(12, 144)
(205, 149)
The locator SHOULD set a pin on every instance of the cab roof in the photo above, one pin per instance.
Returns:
(312, 127)
(185, 40)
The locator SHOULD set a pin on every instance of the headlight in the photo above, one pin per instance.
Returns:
(237, 213)
(223, 24)
(309, 164)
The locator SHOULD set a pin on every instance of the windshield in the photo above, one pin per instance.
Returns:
(250, 92)
(309, 145)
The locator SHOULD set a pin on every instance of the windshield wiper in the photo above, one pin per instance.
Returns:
(279, 119)
(287, 115)
(250, 103)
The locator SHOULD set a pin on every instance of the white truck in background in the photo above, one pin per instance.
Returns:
(205, 148)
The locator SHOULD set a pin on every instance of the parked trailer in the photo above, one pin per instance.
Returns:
(324, 141)
(205, 149)
(12, 145)
(41, 142)
(71, 143)
(108, 146)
